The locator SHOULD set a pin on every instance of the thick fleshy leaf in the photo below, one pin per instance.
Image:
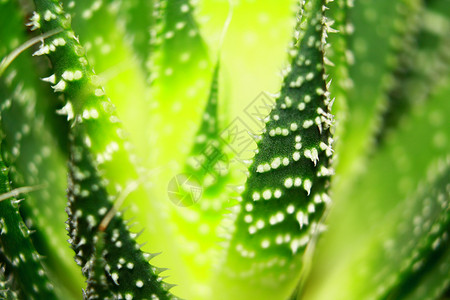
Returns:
(181, 73)
(337, 60)
(97, 144)
(395, 171)
(423, 60)
(286, 192)
(32, 149)
(6, 290)
(406, 249)
(371, 60)
(110, 51)
(28, 272)
(124, 270)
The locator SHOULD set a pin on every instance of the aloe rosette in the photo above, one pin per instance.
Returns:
(116, 120)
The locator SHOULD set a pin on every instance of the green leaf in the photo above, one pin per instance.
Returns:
(423, 61)
(181, 72)
(371, 60)
(110, 52)
(406, 248)
(337, 61)
(32, 149)
(125, 268)
(396, 170)
(97, 284)
(6, 291)
(286, 193)
(16, 245)
(207, 160)
(95, 177)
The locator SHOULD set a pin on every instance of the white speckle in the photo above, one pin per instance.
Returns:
(307, 124)
(288, 101)
(185, 57)
(102, 211)
(99, 92)
(115, 277)
(290, 209)
(279, 216)
(184, 8)
(296, 155)
(307, 184)
(91, 220)
(139, 283)
(265, 244)
(77, 75)
(294, 126)
(67, 75)
(249, 207)
(87, 141)
(326, 198)
(48, 15)
(296, 243)
(94, 113)
(34, 21)
(180, 25)
(277, 193)
(169, 34)
(256, 196)
(60, 86)
(288, 182)
(302, 219)
(248, 218)
(317, 199)
(87, 14)
(279, 239)
(276, 163)
(260, 224)
(43, 49)
(168, 71)
(267, 194)
(301, 106)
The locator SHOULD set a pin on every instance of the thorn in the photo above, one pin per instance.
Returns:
(168, 286)
(51, 79)
(328, 62)
(149, 256)
(136, 235)
(158, 271)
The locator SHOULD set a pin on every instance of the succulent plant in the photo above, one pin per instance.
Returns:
(149, 151)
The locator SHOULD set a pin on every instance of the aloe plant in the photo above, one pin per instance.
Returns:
(150, 151)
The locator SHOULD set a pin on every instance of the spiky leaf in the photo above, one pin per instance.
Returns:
(286, 192)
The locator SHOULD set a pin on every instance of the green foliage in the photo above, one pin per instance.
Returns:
(29, 275)
(286, 192)
(244, 199)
